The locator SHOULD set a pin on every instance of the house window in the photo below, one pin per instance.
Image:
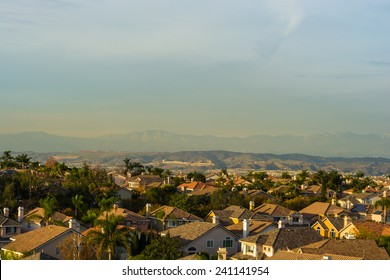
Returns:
(249, 249)
(318, 230)
(128, 223)
(228, 242)
(171, 224)
(276, 219)
(210, 244)
(191, 250)
(10, 230)
(295, 219)
(332, 233)
(28, 225)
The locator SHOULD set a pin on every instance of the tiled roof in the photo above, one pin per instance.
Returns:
(170, 212)
(359, 248)
(29, 241)
(290, 255)
(193, 186)
(322, 208)
(254, 227)
(35, 214)
(274, 210)
(370, 226)
(205, 191)
(123, 212)
(239, 212)
(191, 231)
(5, 221)
(285, 238)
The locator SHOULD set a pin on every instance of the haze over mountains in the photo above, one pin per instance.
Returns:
(328, 145)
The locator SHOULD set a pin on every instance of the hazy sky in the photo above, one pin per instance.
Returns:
(223, 67)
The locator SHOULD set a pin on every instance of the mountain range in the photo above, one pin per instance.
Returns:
(344, 144)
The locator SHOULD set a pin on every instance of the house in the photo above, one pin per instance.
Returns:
(167, 217)
(8, 228)
(267, 244)
(379, 217)
(250, 227)
(124, 193)
(275, 211)
(143, 182)
(334, 227)
(208, 190)
(190, 187)
(318, 210)
(258, 195)
(203, 237)
(35, 218)
(130, 219)
(358, 248)
(46, 240)
(315, 191)
(291, 255)
(232, 215)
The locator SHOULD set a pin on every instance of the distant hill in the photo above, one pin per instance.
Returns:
(329, 145)
(216, 160)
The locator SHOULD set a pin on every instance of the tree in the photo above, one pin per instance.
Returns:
(78, 203)
(383, 203)
(49, 205)
(7, 160)
(74, 247)
(162, 248)
(23, 161)
(109, 237)
(196, 176)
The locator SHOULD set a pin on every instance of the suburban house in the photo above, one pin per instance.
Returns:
(379, 217)
(315, 191)
(35, 218)
(130, 219)
(167, 217)
(204, 237)
(358, 248)
(46, 240)
(318, 210)
(232, 215)
(8, 228)
(291, 255)
(267, 244)
(258, 195)
(143, 182)
(334, 227)
(192, 186)
(208, 190)
(275, 212)
(250, 227)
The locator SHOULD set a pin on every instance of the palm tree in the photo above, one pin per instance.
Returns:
(109, 237)
(383, 203)
(78, 203)
(49, 205)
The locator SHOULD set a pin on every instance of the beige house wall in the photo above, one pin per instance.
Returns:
(217, 235)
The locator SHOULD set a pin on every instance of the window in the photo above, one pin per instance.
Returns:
(295, 219)
(171, 224)
(210, 244)
(192, 250)
(9, 230)
(318, 229)
(332, 233)
(249, 249)
(228, 242)
(57, 251)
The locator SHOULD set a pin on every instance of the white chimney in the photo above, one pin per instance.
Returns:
(148, 208)
(74, 224)
(20, 214)
(245, 190)
(184, 189)
(251, 205)
(245, 228)
(346, 221)
(169, 180)
(385, 194)
(333, 201)
(6, 212)
(280, 224)
(215, 219)
(301, 219)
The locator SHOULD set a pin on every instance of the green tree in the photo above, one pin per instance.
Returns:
(384, 203)
(49, 205)
(78, 203)
(162, 248)
(109, 237)
(196, 176)
(23, 161)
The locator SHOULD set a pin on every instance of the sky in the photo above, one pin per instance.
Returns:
(221, 67)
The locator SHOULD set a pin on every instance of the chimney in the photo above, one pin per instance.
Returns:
(215, 219)
(301, 219)
(20, 214)
(333, 201)
(251, 205)
(169, 180)
(192, 180)
(6, 212)
(115, 207)
(74, 224)
(280, 224)
(245, 228)
(148, 208)
(346, 221)
(348, 204)
(222, 254)
(245, 191)
(184, 189)
(385, 194)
